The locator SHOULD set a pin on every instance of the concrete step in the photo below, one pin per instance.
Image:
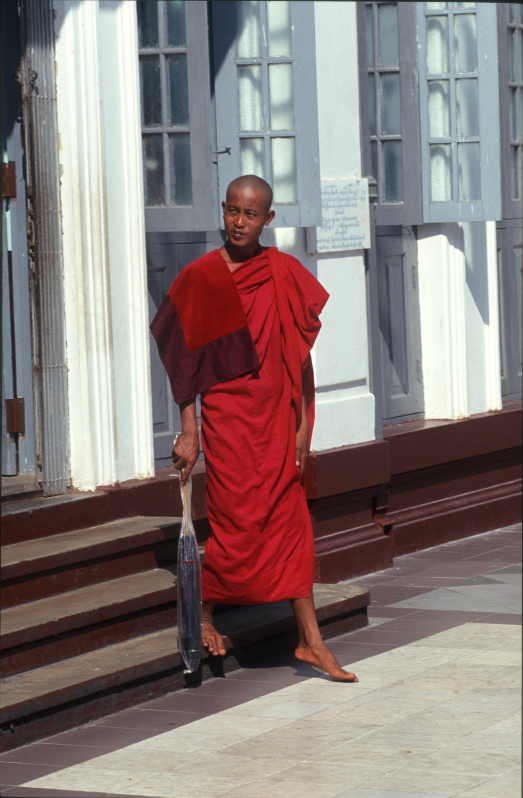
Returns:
(43, 567)
(51, 629)
(50, 699)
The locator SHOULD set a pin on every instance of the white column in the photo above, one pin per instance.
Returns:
(459, 318)
(104, 242)
(344, 404)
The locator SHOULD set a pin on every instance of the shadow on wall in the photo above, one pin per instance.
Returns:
(470, 238)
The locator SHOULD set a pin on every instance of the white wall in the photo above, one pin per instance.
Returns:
(344, 404)
(104, 242)
(457, 264)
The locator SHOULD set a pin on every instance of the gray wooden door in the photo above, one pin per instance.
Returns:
(399, 323)
(167, 255)
(18, 444)
(509, 235)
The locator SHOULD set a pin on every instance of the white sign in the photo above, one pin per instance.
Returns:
(345, 221)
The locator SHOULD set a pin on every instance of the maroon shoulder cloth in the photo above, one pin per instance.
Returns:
(201, 329)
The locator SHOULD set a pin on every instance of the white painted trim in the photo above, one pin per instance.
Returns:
(104, 243)
(494, 398)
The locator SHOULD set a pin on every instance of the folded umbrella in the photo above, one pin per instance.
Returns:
(189, 587)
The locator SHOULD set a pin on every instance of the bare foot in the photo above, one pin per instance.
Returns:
(212, 639)
(323, 659)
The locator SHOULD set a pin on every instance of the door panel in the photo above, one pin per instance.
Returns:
(510, 287)
(399, 323)
(17, 373)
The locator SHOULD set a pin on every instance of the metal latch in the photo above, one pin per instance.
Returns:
(9, 180)
(15, 416)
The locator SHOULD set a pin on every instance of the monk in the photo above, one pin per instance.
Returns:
(237, 328)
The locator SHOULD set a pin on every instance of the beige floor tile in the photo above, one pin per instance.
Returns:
(227, 723)
(501, 787)
(350, 774)
(328, 692)
(484, 762)
(268, 788)
(287, 747)
(276, 706)
(410, 778)
(90, 779)
(388, 757)
(232, 767)
(188, 742)
(163, 785)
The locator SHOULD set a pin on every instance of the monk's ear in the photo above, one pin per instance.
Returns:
(223, 205)
(270, 217)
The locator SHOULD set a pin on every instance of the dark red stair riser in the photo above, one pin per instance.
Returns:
(90, 572)
(35, 654)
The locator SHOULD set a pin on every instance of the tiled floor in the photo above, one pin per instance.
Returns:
(435, 713)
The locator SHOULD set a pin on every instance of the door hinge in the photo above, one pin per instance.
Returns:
(9, 180)
(15, 416)
(419, 371)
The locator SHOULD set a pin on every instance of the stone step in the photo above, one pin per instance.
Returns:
(43, 567)
(51, 629)
(50, 699)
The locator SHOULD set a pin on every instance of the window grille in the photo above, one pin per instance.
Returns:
(266, 114)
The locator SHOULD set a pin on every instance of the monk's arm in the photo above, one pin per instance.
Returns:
(187, 446)
(302, 433)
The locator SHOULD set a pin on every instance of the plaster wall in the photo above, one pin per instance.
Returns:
(103, 242)
(459, 318)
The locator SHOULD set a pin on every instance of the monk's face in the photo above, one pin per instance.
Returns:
(245, 214)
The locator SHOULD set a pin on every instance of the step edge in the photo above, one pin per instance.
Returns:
(87, 552)
(232, 643)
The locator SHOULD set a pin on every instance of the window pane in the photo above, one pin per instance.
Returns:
(147, 23)
(281, 96)
(439, 108)
(515, 173)
(248, 29)
(512, 53)
(520, 62)
(252, 158)
(279, 27)
(434, 6)
(388, 35)
(467, 108)
(465, 43)
(465, 5)
(513, 109)
(175, 23)
(437, 45)
(440, 173)
(392, 171)
(181, 176)
(469, 183)
(284, 169)
(178, 89)
(250, 97)
(372, 105)
(369, 35)
(374, 158)
(153, 168)
(151, 90)
(390, 104)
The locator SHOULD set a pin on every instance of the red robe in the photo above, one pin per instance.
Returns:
(261, 548)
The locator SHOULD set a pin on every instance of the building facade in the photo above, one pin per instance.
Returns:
(123, 124)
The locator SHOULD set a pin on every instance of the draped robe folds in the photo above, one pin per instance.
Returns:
(261, 548)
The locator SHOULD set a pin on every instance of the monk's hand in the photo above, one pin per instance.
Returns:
(185, 453)
(302, 447)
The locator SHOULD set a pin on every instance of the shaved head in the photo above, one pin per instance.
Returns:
(254, 184)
